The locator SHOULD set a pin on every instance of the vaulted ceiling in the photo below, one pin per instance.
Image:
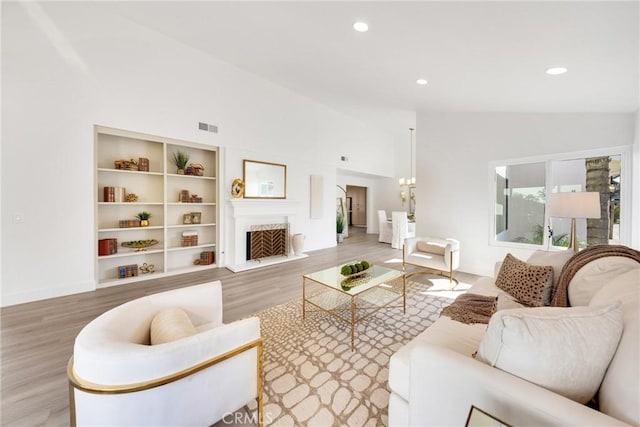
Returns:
(476, 56)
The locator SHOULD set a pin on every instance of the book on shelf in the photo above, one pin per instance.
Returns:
(114, 194)
(128, 223)
(107, 246)
(125, 271)
(207, 257)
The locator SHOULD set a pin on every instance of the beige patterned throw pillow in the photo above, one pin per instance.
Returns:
(170, 324)
(525, 282)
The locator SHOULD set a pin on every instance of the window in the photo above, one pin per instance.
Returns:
(520, 203)
(520, 187)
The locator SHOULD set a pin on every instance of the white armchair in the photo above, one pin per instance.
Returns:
(385, 233)
(432, 253)
(400, 226)
(116, 377)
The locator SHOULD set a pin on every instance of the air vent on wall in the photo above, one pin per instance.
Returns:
(207, 127)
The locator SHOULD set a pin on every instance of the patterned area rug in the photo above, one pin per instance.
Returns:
(313, 378)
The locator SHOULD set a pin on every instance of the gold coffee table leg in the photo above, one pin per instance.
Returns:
(353, 321)
(303, 298)
(404, 294)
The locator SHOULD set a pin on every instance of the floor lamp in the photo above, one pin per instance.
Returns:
(574, 205)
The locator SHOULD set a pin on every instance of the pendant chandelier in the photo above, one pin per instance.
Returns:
(411, 180)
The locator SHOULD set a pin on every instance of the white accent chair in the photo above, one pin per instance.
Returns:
(400, 227)
(432, 254)
(384, 228)
(117, 378)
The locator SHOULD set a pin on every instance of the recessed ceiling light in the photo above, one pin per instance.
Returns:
(421, 82)
(361, 27)
(556, 71)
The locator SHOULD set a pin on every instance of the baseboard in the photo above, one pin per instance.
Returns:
(32, 295)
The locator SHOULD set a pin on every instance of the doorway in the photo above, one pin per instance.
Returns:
(357, 206)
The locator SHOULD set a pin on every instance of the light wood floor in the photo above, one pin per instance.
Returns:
(37, 338)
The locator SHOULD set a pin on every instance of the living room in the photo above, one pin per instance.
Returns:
(67, 67)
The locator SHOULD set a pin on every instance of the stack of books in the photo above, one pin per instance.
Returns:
(109, 194)
(107, 246)
(207, 257)
(114, 194)
(127, 271)
(126, 223)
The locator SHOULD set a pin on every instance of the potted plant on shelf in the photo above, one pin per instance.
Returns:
(340, 227)
(180, 158)
(144, 218)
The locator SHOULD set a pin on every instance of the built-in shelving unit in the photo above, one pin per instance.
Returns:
(159, 193)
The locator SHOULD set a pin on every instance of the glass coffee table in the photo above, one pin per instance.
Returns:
(356, 298)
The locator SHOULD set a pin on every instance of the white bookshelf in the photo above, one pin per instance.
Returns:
(158, 192)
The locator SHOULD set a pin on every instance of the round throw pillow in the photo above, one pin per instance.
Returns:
(170, 324)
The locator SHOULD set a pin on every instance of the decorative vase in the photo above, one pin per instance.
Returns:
(180, 172)
(340, 237)
(297, 241)
(144, 223)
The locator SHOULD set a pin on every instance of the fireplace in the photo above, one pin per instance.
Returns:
(248, 216)
(267, 240)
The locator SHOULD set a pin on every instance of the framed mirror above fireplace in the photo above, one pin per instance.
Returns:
(263, 180)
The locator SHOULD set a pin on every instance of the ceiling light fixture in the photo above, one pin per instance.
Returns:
(410, 182)
(421, 82)
(554, 71)
(361, 27)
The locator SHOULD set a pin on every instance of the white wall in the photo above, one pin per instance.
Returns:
(454, 151)
(635, 213)
(68, 66)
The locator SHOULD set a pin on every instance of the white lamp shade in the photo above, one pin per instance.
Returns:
(575, 205)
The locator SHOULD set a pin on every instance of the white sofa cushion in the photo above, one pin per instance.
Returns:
(566, 350)
(595, 275)
(557, 260)
(456, 336)
(525, 282)
(619, 394)
(506, 302)
(444, 332)
(484, 286)
(170, 324)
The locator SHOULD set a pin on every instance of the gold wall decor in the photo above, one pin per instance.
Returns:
(237, 188)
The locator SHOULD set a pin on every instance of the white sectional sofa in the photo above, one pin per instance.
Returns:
(434, 379)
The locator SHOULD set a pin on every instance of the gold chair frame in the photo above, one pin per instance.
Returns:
(78, 383)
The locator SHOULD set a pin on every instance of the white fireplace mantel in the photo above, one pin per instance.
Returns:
(248, 212)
